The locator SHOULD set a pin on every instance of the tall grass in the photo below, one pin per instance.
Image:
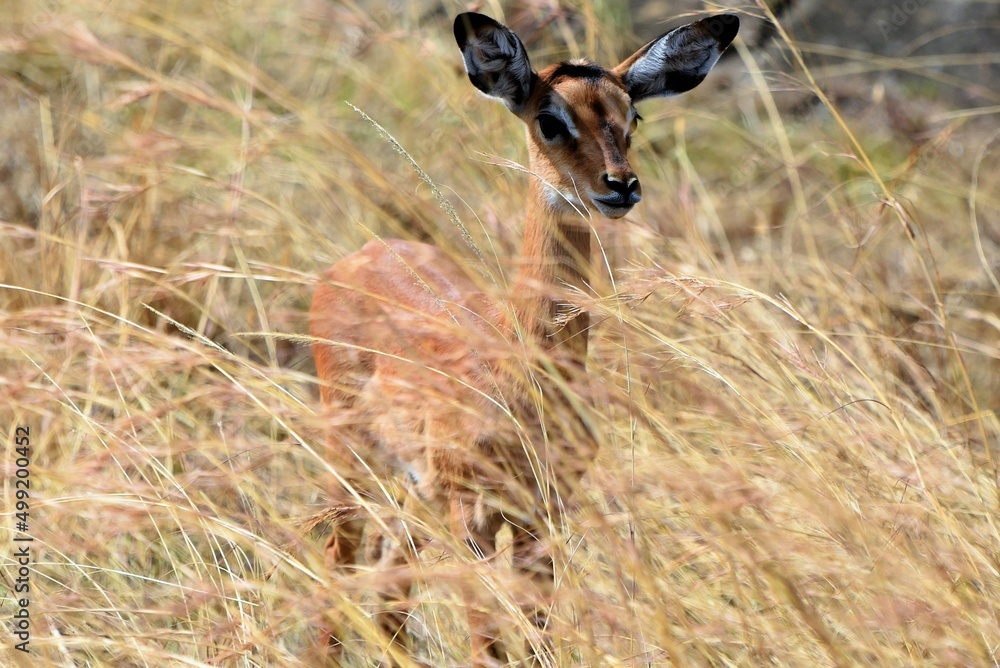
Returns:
(797, 351)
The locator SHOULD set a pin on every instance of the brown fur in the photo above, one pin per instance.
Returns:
(424, 373)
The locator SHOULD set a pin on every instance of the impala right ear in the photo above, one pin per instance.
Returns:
(679, 60)
(495, 59)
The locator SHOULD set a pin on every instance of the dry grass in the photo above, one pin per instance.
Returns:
(798, 355)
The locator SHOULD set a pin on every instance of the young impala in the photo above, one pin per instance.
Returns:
(476, 398)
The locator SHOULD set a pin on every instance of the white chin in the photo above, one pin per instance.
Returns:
(564, 202)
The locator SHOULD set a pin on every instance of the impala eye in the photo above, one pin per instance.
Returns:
(551, 127)
(632, 128)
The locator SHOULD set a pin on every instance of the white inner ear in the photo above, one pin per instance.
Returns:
(669, 56)
(682, 51)
(508, 46)
(499, 54)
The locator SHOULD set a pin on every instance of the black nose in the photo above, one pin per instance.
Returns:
(625, 187)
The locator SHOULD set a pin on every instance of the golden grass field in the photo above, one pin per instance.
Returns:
(798, 349)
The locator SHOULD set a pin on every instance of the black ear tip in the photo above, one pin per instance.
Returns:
(462, 28)
(724, 28)
(470, 23)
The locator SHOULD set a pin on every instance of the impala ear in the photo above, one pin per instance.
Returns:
(679, 60)
(495, 59)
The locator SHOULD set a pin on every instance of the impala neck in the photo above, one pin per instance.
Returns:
(555, 259)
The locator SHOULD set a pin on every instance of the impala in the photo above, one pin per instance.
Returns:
(476, 399)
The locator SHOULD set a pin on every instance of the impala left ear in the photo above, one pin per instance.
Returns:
(679, 60)
(495, 59)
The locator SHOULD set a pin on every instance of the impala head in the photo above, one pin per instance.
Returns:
(581, 116)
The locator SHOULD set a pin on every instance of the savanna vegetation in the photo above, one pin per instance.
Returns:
(796, 355)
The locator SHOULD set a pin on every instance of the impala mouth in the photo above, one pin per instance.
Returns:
(615, 206)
